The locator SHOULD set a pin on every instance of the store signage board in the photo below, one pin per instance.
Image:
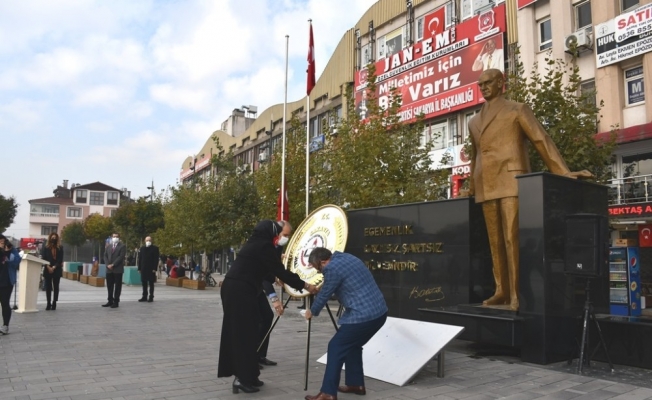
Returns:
(631, 210)
(419, 343)
(438, 75)
(524, 3)
(626, 36)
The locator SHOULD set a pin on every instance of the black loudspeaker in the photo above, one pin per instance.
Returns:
(586, 245)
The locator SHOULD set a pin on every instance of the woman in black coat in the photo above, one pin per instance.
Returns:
(53, 254)
(240, 290)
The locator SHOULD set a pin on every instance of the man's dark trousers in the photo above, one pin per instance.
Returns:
(114, 286)
(148, 282)
(346, 348)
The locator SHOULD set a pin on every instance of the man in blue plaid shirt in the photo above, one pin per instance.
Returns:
(365, 312)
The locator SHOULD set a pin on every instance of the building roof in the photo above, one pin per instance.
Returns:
(99, 186)
(52, 200)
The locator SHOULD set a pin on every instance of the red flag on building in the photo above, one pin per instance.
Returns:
(311, 63)
(282, 205)
(434, 23)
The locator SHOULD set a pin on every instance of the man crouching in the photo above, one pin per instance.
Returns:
(365, 312)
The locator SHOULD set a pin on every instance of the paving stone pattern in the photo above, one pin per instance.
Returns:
(168, 349)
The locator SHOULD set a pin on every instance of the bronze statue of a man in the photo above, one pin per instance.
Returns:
(499, 148)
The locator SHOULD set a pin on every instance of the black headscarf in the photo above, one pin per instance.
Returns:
(267, 230)
(264, 232)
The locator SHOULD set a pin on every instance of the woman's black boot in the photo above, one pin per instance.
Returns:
(237, 386)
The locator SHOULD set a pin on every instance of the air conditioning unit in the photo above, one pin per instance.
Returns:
(241, 169)
(333, 130)
(262, 157)
(580, 40)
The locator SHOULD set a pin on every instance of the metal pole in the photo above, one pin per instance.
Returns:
(332, 318)
(285, 104)
(272, 327)
(308, 146)
(305, 386)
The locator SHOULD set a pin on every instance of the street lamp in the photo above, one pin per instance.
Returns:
(151, 191)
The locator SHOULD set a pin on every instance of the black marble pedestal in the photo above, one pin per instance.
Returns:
(550, 300)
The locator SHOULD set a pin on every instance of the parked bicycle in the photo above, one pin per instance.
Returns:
(207, 277)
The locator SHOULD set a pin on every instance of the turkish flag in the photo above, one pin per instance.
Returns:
(282, 205)
(311, 64)
(434, 23)
(645, 235)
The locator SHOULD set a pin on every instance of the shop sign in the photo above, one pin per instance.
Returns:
(631, 210)
(524, 3)
(436, 76)
(626, 36)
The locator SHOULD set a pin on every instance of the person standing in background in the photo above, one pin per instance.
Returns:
(53, 254)
(114, 257)
(147, 266)
(9, 261)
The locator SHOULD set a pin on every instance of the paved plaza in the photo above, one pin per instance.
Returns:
(168, 349)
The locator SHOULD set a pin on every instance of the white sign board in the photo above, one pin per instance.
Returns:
(624, 37)
(402, 347)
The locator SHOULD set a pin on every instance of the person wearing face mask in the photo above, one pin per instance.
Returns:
(268, 296)
(114, 257)
(53, 254)
(240, 293)
(148, 260)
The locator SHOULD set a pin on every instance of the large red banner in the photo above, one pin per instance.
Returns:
(439, 74)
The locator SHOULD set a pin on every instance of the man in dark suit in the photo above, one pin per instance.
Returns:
(498, 145)
(114, 257)
(148, 259)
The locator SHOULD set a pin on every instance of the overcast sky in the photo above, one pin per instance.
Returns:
(122, 91)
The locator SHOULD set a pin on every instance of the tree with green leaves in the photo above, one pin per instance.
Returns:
(73, 235)
(569, 115)
(377, 161)
(8, 208)
(98, 228)
(231, 203)
(183, 221)
(268, 177)
(136, 219)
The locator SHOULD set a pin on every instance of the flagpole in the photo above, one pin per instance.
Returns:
(285, 105)
(311, 62)
(307, 155)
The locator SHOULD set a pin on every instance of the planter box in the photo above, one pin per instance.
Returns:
(197, 285)
(73, 276)
(84, 279)
(96, 281)
(176, 282)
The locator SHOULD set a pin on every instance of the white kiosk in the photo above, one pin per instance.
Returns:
(28, 280)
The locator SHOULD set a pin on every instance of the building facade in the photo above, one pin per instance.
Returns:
(71, 204)
(433, 51)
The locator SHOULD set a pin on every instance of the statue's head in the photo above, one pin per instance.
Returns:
(491, 83)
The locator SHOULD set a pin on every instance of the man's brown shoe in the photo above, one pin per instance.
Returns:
(352, 389)
(321, 396)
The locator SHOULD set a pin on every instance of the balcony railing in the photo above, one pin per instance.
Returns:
(630, 190)
(43, 214)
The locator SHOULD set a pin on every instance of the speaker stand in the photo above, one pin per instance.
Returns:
(589, 314)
